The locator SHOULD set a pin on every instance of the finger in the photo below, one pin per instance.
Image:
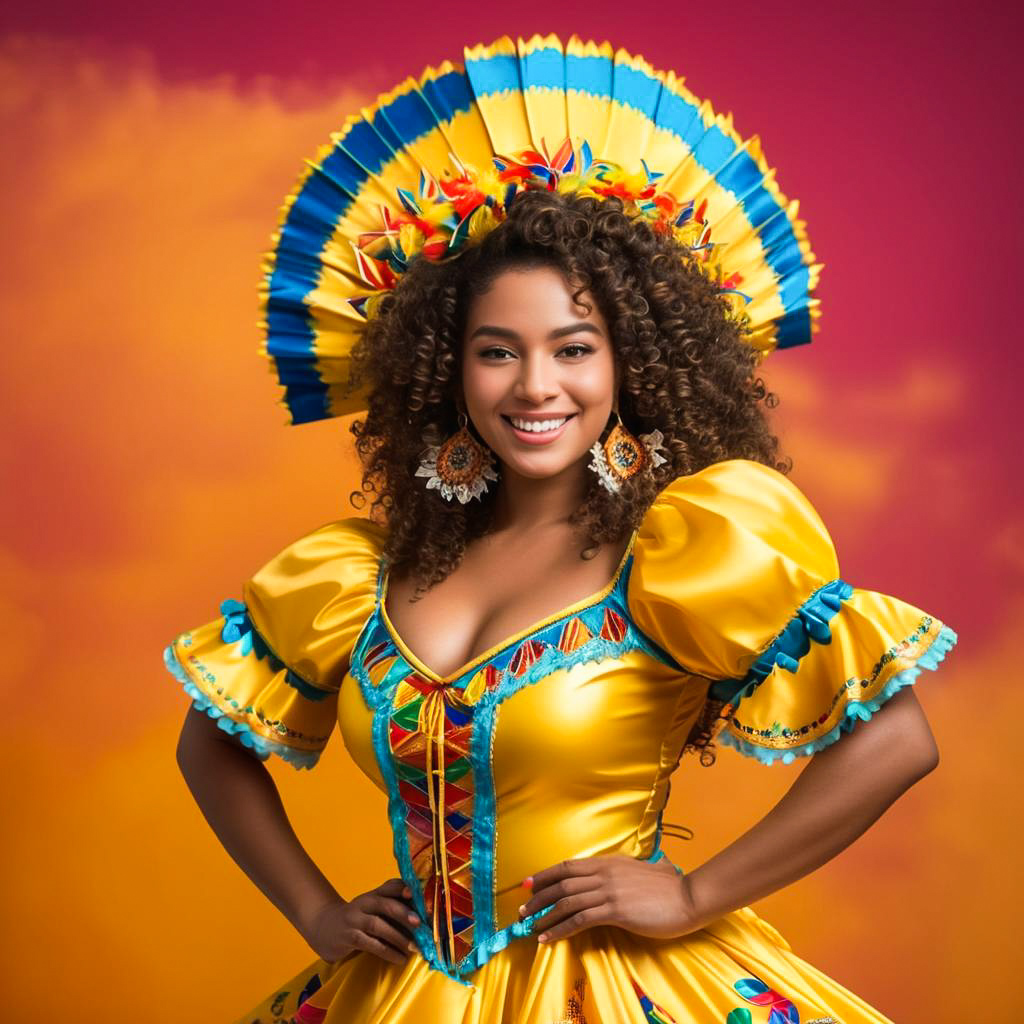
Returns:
(566, 907)
(563, 869)
(577, 922)
(398, 911)
(371, 945)
(394, 887)
(378, 928)
(559, 890)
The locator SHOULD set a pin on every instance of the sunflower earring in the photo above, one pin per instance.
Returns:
(622, 455)
(460, 467)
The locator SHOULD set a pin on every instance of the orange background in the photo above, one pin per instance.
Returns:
(147, 471)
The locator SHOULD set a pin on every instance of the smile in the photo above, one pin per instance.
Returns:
(537, 431)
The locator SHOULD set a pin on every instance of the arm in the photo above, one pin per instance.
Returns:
(240, 801)
(838, 796)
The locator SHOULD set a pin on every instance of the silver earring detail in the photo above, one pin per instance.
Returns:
(622, 455)
(460, 467)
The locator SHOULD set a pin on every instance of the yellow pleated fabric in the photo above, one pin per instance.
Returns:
(560, 743)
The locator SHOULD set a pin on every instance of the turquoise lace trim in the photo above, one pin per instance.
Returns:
(810, 622)
(259, 745)
(855, 711)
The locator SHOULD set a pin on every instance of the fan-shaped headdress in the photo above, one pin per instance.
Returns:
(433, 165)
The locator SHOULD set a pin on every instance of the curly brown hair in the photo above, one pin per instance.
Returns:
(684, 367)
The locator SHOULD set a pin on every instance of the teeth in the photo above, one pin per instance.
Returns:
(537, 426)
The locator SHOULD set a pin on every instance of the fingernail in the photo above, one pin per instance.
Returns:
(414, 919)
(528, 882)
(407, 892)
(543, 937)
(412, 947)
(522, 910)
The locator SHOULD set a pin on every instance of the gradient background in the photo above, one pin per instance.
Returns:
(148, 471)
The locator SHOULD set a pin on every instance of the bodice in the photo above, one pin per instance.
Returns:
(556, 743)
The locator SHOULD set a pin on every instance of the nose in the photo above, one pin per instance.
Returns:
(538, 378)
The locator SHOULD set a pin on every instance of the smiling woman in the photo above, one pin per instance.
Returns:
(572, 309)
(547, 608)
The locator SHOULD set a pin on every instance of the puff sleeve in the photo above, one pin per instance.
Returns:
(736, 577)
(270, 667)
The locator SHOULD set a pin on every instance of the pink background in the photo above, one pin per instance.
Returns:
(147, 471)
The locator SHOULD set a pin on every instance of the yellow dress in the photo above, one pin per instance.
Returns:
(559, 743)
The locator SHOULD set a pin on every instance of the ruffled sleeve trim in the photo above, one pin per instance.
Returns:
(262, 746)
(926, 648)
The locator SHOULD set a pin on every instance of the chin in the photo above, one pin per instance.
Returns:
(538, 467)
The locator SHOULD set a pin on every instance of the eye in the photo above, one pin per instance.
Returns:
(580, 349)
(486, 352)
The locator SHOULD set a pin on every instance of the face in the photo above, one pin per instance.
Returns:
(531, 354)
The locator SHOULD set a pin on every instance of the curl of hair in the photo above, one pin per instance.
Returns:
(683, 365)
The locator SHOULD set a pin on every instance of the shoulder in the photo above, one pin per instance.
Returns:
(721, 557)
(312, 597)
(733, 508)
(345, 549)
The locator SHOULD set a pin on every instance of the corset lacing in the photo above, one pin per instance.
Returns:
(432, 726)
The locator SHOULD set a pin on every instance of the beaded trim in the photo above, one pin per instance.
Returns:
(926, 647)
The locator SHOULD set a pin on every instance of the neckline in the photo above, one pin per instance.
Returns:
(495, 649)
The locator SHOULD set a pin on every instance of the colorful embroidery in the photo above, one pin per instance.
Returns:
(261, 734)
(284, 1007)
(433, 738)
(307, 1013)
(574, 1007)
(781, 1009)
(654, 1013)
(852, 689)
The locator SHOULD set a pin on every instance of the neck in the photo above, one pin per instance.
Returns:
(525, 503)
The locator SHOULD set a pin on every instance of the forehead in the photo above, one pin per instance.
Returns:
(530, 298)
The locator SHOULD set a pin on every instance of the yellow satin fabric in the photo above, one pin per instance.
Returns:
(581, 759)
(581, 763)
(308, 603)
(724, 559)
(585, 979)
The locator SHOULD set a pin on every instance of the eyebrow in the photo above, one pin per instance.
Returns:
(558, 332)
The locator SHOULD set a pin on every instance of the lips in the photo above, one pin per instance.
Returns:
(535, 438)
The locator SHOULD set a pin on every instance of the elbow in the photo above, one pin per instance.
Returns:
(929, 758)
(198, 731)
(920, 755)
(183, 752)
(905, 732)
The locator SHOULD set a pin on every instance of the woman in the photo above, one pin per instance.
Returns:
(544, 611)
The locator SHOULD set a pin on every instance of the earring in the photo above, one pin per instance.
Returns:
(622, 455)
(460, 467)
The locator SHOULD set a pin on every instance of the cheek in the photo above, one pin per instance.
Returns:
(482, 390)
(593, 385)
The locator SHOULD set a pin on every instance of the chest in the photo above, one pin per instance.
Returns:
(496, 593)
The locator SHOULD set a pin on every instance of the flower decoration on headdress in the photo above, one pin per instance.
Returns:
(459, 209)
(434, 164)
